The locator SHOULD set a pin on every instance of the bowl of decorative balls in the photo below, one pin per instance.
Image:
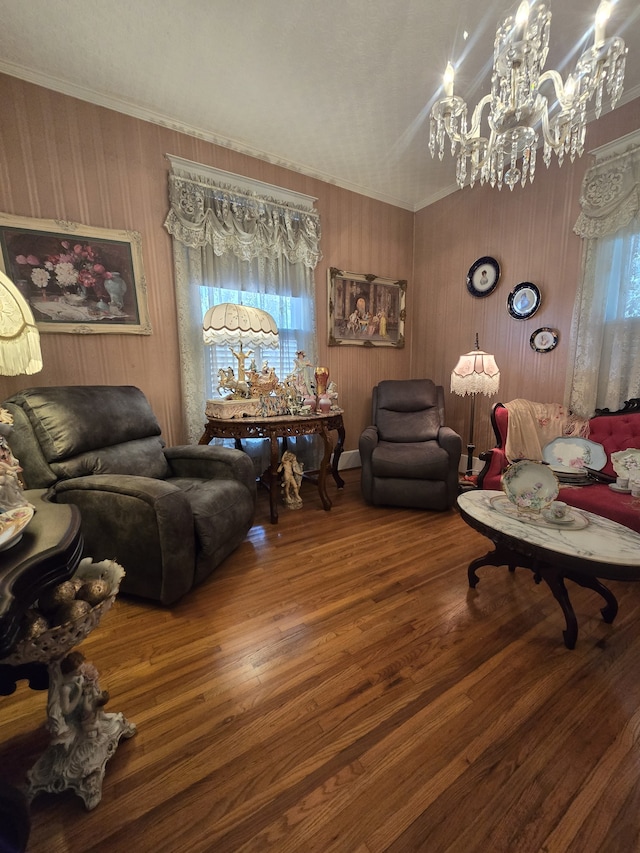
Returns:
(65, 614)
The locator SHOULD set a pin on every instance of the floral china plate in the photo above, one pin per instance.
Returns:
(530, 486)
(626, 463)
(12, 523)
(572, 453)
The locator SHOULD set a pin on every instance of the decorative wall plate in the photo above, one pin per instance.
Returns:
(544, 339)
(483, 276)
(12, 523)
(530, 486)
(523, 301)
(572, 453)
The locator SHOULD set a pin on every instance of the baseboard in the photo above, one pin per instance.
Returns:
(478, 464)
(349, 459)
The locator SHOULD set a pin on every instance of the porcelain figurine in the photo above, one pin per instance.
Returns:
(291, 479)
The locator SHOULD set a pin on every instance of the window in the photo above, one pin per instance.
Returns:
(604, 365)
(288, 311)
(241, 241)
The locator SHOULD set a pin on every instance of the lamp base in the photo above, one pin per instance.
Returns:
(470, 449)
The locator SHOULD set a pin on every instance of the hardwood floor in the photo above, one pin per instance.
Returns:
(336, 686)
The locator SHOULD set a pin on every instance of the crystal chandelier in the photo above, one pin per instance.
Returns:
(517, 108)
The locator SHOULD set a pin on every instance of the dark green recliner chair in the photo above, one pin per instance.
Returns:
(168, 515)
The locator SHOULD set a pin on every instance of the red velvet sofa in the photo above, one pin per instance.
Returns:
(613, 430)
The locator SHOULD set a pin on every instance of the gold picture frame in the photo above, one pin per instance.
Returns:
(77, 278)
(365, 310)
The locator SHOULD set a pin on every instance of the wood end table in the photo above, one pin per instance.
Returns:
(283, 427)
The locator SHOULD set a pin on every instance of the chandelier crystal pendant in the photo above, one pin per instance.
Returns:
(518, 110)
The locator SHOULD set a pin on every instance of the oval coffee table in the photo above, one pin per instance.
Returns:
(598, 549)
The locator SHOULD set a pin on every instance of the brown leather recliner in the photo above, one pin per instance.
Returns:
(409, 457)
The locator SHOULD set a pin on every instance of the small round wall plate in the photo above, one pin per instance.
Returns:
(482, 278)
(523, 301)
(544, 339)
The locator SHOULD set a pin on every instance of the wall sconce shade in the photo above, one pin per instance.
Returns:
(19, 337)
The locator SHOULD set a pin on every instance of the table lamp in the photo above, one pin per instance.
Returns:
(233, 325)
(19, 353)
(475, 373)
(19, 336)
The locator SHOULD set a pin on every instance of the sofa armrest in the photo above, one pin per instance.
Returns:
(367, 443)
(495, 463)
(144, 524)
(450, 441)
(211, 462)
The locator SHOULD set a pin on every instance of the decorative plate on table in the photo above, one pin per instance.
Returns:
(12, 523)
(626, 463)
(573, 520)
(483, 275)
(523, 301)
(530, 486)
(569, 453)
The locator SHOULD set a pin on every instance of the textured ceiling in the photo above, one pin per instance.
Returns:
(336, 89)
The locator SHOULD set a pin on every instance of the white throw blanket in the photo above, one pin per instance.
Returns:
(531, 426)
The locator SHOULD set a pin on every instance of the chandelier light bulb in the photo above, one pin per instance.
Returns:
(522, 16)
(602, 16)
(498, 141)
(448, 79)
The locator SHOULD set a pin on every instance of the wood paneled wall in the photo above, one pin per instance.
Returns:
(530, 232)
(62, 158)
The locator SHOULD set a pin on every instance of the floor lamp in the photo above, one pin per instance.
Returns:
(475, 373)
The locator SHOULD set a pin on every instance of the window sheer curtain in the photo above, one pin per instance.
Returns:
(604, 361)
(242, 241)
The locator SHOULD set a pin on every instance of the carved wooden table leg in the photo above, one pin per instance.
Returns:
(322, 476)
(337, 452)
(273, 478)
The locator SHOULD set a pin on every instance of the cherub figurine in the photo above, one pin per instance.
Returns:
(291, 479)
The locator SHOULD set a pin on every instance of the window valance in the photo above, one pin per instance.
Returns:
(239, 219)
(610, 197)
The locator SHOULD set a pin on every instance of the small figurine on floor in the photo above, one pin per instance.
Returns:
(291, 480)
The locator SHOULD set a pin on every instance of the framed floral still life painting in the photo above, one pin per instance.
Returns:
(365, 310)
(76, 278)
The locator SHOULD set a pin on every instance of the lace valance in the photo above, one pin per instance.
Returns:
(610, 195)
(245, 223)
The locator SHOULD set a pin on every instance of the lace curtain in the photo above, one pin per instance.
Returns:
(236, 242)
(604, 362)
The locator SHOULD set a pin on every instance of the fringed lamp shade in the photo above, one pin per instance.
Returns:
(475, 373)
(19, 337)
(239, 324)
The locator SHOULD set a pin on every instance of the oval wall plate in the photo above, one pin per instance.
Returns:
(523, 301)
